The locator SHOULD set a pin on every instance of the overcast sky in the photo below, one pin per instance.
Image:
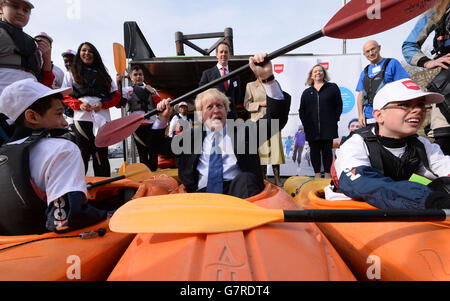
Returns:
(257, 25)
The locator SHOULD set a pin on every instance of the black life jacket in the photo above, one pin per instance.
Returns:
(25, 48)
(371, 85)
(90, 85)
(441, 41)
(141, 100)
(22, 212)
(388, 164)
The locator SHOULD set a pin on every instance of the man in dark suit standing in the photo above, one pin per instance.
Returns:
(231, 88)
(221, 156)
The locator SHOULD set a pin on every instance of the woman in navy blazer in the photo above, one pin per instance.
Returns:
(320, 111)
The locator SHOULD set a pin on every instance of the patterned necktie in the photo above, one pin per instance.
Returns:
(225, 83)
(215, 170)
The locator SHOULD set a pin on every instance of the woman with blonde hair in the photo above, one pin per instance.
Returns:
(320, 111)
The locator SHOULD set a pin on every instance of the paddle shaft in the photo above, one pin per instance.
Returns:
(91, 185)
(271, 56)
(124, 142)
(107, 181)
(364, 215)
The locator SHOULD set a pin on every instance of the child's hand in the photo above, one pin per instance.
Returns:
(150, 89)
(45, 48)
(85, 107)
(119, 77)
(97, 107)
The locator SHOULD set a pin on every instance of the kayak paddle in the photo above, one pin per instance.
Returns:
(356, 19)
(120, 62)
(212, 213)
(137, 172)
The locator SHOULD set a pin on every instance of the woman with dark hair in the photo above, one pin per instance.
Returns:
(94, 92)
(320, 111)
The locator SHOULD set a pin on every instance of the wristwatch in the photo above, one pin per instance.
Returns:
(269, 79)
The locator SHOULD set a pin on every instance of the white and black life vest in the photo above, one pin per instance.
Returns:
(22, 211)
(90, 85)
(388, 164)
(371, 85)
(141, 100)
(19, 50)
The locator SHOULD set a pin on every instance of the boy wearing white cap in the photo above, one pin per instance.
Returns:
(141, 98)
(20, 56)
(376, 162)
(176, 126)
(41, 175)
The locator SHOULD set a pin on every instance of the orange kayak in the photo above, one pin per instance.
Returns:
(382, 251)
(51, 257)
(273, 252)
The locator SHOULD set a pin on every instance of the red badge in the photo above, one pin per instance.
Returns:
(410, 85)
(326, 65)
(278, 68)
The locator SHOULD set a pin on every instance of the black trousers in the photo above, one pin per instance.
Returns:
(141, 137)
(85, 139)
(321, 152)
(243, 186)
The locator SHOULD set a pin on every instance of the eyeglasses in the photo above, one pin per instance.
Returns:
(408, 106)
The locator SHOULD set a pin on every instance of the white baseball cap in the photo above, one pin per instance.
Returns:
(44, 35)
(29, 3)
(26, 1)
(183, 103)
(69, 51)
(19, 96)
(403, 90)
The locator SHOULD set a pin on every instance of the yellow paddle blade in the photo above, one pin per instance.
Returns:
(137, 171)
(191, 213)
(120, 59)
(122, 168)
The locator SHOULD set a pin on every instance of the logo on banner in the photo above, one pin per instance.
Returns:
(278, 68)
(326, 65)
(348, 100)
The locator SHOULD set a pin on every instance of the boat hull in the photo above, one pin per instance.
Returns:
(391, 251)
(49, 257)
(273, 252)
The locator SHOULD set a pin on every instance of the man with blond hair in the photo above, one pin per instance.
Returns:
(220, 158)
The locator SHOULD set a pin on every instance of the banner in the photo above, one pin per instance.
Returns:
(291, 72)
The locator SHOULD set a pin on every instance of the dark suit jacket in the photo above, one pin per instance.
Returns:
(244, 148)
(234, 88)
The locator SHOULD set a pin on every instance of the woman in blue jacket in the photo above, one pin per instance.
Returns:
(320, 111)
(435, 20)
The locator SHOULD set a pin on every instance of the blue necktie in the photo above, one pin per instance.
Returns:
(215, 170)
